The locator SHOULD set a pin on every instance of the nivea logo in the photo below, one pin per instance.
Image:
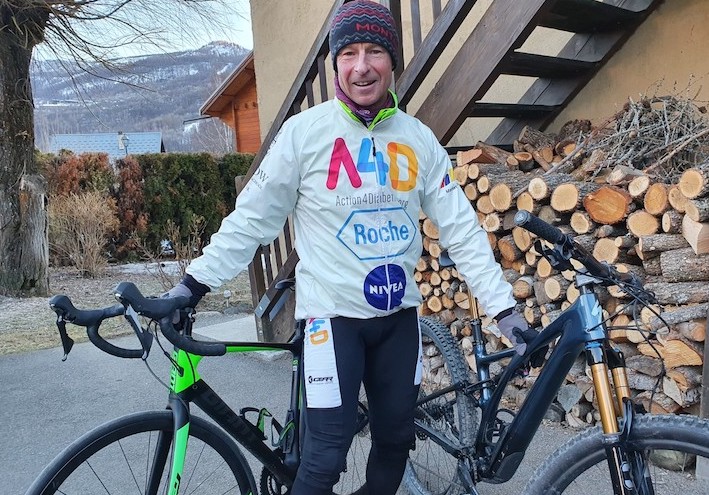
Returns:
(378, 233)
(384, 287)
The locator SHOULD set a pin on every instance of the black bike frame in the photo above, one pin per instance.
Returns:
(236, 425)
(579, 327)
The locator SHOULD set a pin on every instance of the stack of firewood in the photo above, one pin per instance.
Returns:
(652, 221)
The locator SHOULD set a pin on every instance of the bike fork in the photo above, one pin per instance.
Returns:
(625, 468)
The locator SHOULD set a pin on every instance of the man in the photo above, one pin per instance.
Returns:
(355, 172)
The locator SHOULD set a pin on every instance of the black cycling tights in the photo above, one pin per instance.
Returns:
(383, 354)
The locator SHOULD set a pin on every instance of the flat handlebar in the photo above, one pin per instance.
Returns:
(571, 249)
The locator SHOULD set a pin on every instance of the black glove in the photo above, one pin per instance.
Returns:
(517, 331)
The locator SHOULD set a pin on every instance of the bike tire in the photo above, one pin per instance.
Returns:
(580, 464)
(115, 458)
(430, 469)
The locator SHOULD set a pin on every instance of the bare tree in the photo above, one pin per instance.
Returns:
(88, 33)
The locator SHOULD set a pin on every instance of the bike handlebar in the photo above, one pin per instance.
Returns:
(571, 249)
(158, 309)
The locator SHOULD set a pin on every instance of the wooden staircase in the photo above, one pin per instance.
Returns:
(492, 50)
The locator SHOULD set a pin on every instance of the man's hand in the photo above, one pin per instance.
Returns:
(517, 331)
(181, 290)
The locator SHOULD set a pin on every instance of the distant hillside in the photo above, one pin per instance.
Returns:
(157, 93)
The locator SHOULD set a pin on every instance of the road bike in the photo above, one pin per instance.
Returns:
(465, 436)
(173, 451)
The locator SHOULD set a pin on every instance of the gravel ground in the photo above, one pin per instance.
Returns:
(28, 323)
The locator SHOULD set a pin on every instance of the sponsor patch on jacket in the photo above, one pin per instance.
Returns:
(378, 233)
(448, 178)
(384, 287)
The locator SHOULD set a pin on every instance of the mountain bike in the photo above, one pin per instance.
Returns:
(465, 436)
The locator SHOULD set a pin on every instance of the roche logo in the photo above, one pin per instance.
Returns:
(378, 233)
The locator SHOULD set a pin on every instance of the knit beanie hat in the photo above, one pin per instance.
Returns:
(363, 21)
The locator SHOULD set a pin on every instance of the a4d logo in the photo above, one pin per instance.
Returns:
(378, 233)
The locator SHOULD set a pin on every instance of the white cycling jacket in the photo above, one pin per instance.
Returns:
(355, 194)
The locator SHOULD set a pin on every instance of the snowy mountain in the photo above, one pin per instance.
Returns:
(161, 92)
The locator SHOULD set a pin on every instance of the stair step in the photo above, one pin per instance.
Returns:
(588, 16)
(511, 110)
(533, 65)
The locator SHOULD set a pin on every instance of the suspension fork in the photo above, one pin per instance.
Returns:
(610, 405)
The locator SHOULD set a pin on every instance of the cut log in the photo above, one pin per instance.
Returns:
(653, 266)
(684, 398)
(641, 223)
(657, 403)
(694, 182)
(655, 200)
(609, 231)
(675, 353)
(682, 265)
(525, 160)
(434, 304)
(672, 222)
(623, 174)
(606, 250)
(541, 187)
(429, 229)
(474, 155)
(535, 137)
(565, 147)
(650, 246)
(462, 300)
(477, 170)
(508, 248)
(638, 186)
(483, 205)
(498, 154)
(695, 330)
(501, 196)
(522, 239)
(461, 175)
(544, 268)
(568, 197)
(527, 203)
(697, 209)
(608, 205)
(471, 191)
(555, 287)
(647, 365)
(523, 287)
(540, 155)
(679, 315)
(686, 377)
(581, 222)
(677, 293)
(677, 200)
(549, 215)
(492, 222)
(512, 163)
(696, 234)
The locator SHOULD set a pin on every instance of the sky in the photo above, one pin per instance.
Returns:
(188, 32)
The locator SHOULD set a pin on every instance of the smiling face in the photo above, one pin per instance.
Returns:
(364, 71)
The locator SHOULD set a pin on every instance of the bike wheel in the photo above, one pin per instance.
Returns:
(354, 475)
(119, 456)
(430, 469)
(670, 445)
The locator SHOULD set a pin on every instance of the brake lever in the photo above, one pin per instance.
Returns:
(67, 342)
(145, 337)
(556, 256)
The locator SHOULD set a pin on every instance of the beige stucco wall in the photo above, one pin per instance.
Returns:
(666, 55)
(667, 48)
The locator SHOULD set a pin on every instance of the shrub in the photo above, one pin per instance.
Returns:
(79, 228)
(72, 174)
(130, 201)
